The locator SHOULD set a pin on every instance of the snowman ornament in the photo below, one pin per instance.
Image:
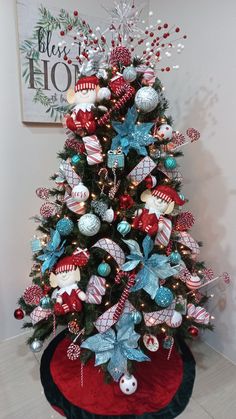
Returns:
(84, 96)
(159, 201)
(67, 293)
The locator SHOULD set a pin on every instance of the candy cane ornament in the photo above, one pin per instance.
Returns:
(124, 297)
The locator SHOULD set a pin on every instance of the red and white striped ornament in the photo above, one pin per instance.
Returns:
(73, 351)
(120, 55)
(95, 290)
(198, 314)
(164, 231)
(124, 297)
(32, 295)
(193, 134)
(42, 193)
(194, 282)
(178, 139)
(208, 274)
(93, 149)
(47, 210)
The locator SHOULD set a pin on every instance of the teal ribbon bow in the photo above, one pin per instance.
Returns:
(52, 251)
(116, 347)
(153, 268)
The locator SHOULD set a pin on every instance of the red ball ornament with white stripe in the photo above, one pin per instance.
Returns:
(194, 282)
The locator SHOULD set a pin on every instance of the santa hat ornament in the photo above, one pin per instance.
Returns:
(167, 194)
(86, 83)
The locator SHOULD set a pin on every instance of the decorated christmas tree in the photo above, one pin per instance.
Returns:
(113, 259)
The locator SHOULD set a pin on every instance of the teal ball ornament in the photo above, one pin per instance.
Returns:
(104, 269)
(181, 195)
(75, 159)
(137, 317)
(170, 163)
(45, 302)
(164, 297)
(65, 226)
(175, 258)
(124, 228)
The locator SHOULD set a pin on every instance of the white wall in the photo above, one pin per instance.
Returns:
(202, 95)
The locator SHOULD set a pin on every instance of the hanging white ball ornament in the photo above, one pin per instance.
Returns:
(175, 320)
(165, 132)
(103, 94)
(128, 384)
(146, 99)
(80, 192)
(130, 74)
(89, 225)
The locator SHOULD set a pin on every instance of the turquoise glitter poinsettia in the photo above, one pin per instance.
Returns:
(131, 135)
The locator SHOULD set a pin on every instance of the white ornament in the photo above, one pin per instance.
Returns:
(151, 342)
(89, 225)
(103, 94)
(128, 384)
(175, 320)
(80, 192)
(194, 282)
(130, 74)
(36, 346)
(146, 99)
(165, 132)
(109, 215)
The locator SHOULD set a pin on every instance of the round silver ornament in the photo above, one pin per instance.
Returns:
(128, 384)
(36, 345)
(103, 94)
(146, 99)
(130, 74)
(89, 225)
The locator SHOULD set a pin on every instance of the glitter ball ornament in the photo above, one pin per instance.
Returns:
(47, 210)
(45, 302)
(170, 163)
(164, 297)
(19, 314)
(128, 384)
(104, 269)
(130, 74)
(184, 221)
(175, 320)
(32, 295)
(137, 317)
(120, 55)
(89, 225)
(103, 94)
(75, 159)
(146, 99)
(36, 345)
(164, 132)
(124, 228)
(193, 331)
(80, 192)
(42, 193)
(175, 258)
(65, 226)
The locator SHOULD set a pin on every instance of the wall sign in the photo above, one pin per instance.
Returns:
(46, 74)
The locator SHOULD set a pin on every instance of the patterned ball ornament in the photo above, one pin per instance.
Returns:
(89, 225)
(170, 163)
(19, 314)
(146, 99)
(36, 346)
(32, 295)
(65, 226)
(164, 132)
(164, 297)
(75, 159)
(103, 94)
(80, 192)
(130, 74)
(128, 384)
(124, 228)
(104, 269)
(175, 258)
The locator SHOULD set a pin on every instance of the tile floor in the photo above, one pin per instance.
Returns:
(21, 394)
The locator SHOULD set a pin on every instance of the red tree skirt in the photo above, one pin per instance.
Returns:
(160, 383)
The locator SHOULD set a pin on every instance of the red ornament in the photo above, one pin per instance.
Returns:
(184, 221)
(47, 210)
(62, 33)
(126, 201)
(69, 27)
(75, 145)
(193, 331)
(69, 61)
(177, 29)
(19, 314)
(120, 55)
(81, 257)
(32, 295)
(73, 327)
(76, 13)
(46, 289)
(150, 181)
